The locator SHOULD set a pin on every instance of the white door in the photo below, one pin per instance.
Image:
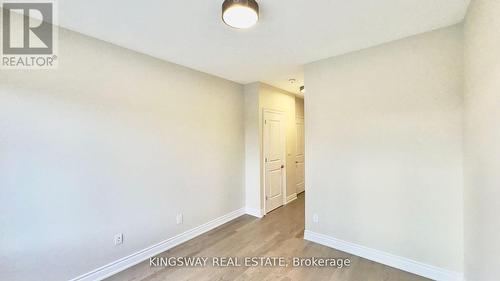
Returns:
(274, 162)
(299, 161)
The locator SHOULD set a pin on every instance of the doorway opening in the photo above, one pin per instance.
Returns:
(283, 154)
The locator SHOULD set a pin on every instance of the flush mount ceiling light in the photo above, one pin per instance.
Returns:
(240, 13)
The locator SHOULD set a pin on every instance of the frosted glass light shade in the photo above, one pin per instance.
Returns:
(240, 13)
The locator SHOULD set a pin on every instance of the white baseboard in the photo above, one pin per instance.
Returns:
(138, 257)
(254, 212)
(398, 262)
(291, 198)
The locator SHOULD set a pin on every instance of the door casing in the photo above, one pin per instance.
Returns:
(300, 155)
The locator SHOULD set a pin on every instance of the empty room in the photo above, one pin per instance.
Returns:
(285, 140)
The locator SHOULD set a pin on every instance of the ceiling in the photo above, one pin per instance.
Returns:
(290, 33)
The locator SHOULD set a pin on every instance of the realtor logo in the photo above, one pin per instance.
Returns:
(28, 35)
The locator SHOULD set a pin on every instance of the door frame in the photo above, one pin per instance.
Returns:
(262, 159)
(304, 152)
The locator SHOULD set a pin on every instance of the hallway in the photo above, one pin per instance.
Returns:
(279, 234)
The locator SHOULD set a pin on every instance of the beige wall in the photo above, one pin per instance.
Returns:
(252, 150)
(384, 148)
(111, 142)
(299, 107)
(482, 143)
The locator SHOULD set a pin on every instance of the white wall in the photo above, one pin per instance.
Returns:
(110, 142)
(482, 143)
(384, 148)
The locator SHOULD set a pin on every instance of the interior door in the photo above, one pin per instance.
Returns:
(299, 161)
(274, 162)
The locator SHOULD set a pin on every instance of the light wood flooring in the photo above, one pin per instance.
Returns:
(279, 234)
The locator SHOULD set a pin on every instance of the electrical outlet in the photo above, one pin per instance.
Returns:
(118, 239)
(179, 218)
(315, 218)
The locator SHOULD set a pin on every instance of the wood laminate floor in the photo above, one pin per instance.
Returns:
(279, 234)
